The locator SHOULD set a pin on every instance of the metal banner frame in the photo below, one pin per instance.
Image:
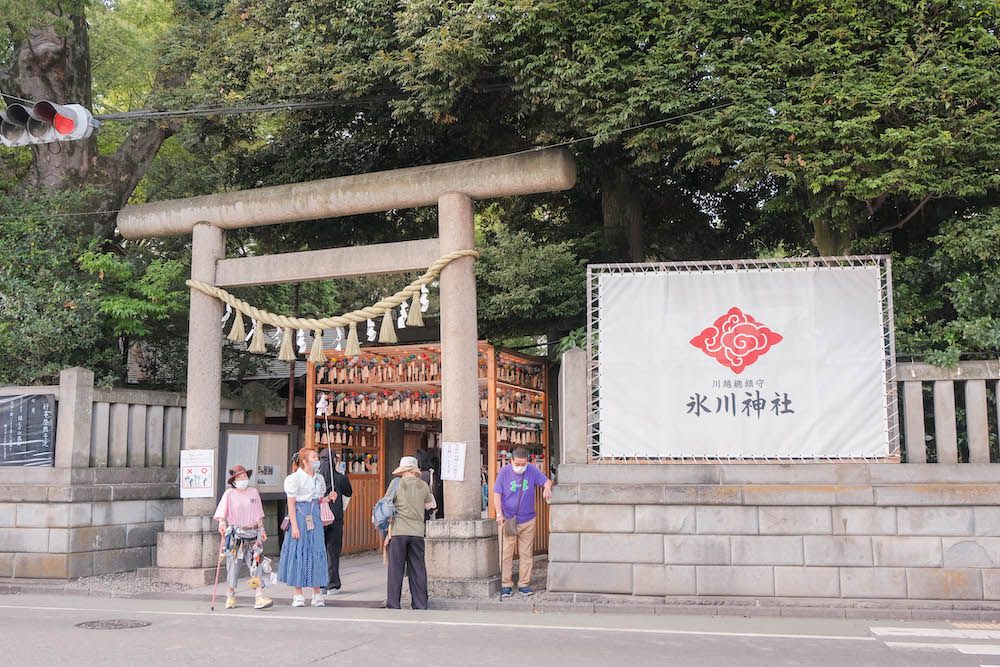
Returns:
(594, 271)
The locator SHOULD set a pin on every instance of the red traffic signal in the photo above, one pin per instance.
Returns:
(44, 123)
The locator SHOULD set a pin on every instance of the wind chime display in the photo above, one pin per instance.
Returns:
(378, 369)
(409, 404)
(345, 437)
(411, 301)
(524, 403)
(520, 407)
(520, 374)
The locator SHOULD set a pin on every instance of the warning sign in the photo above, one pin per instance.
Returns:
(197, 473)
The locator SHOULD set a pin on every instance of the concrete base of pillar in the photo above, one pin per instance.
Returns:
(463, 558)
(186, 551)
(193, 576)
(464, 588)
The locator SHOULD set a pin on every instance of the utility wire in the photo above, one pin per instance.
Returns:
(534, 149)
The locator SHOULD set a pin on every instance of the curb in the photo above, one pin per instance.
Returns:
(564, 604)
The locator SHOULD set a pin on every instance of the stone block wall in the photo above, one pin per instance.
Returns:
(849, 531)
(67, 523)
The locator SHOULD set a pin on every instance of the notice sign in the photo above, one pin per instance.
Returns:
(197, 473)
(453, 461)
(742, 363)
(28, 430)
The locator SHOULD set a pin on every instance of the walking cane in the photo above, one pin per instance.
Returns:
(222, 544)
(500, 538)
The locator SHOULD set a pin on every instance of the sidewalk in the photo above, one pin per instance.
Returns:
(363, 576)
(364, 587)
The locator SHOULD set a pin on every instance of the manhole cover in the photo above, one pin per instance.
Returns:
(112, 624)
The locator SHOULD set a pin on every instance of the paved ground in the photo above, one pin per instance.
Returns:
(363, 576)
(44, 630)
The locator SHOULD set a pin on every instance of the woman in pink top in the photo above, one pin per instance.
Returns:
(241, 521)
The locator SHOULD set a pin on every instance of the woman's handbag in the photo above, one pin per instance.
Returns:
(325, 513)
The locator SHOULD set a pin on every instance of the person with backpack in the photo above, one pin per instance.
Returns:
(401, 512)
(514, 500)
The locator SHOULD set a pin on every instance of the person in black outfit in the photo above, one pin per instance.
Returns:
(334, 533)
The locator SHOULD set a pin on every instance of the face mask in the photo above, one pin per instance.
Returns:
(342, 467)
(520, 469)
(242, 483)
(316, 466)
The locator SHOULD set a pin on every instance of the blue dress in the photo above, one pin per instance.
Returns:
(303, 561)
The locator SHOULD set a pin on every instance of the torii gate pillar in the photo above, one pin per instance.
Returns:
(459, 350)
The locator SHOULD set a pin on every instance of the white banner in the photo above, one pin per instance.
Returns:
(742, 363)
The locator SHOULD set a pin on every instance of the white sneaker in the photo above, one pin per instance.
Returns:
(318, 600)
(298, 601)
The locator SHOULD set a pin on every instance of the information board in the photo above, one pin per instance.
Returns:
(264, 448)
(28, 430)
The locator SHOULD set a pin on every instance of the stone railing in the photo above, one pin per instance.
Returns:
(117, 428)
(100, 507)
(945, 412)
(137, 428)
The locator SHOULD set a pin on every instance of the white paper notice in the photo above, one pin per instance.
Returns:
(453, 461)
(197, 473)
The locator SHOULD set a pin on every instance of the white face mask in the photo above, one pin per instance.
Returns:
(519, 469)
(242, 483)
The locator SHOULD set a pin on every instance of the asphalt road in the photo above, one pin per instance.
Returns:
(43, 630)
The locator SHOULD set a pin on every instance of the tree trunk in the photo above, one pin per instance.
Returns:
(621, 209)
(56, 67)
(829, 240)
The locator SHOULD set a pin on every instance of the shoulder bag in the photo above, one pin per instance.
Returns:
(510, 523)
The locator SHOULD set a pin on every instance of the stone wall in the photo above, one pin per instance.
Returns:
(830, 531)
(64, 523)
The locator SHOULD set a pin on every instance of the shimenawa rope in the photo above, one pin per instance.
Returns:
(288, 324)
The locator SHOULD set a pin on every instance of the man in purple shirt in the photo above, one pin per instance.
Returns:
(514, 498)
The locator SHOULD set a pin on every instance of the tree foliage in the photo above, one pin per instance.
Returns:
(721, 129)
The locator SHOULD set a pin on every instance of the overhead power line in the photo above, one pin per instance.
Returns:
(559, 144)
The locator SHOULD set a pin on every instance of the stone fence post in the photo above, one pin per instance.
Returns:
(73, 418)
(573, 407)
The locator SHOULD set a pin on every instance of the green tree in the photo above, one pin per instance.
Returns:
(948, 292)
(50, 315)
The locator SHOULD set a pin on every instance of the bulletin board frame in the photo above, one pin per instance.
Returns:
(271, 456)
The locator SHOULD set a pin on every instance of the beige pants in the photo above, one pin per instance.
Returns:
(524, 544)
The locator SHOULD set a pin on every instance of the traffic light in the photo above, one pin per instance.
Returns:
(45, 123)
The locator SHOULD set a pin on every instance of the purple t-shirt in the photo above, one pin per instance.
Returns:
(510, 485)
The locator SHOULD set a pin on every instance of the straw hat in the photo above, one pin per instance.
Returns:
(406, 464)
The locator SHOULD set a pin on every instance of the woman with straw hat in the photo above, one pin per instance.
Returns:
(241, 523)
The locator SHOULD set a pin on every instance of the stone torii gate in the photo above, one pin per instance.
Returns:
(462, 559)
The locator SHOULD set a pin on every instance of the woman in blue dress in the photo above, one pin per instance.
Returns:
(303, 553)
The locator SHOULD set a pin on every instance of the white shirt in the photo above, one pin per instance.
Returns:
(304, 487)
